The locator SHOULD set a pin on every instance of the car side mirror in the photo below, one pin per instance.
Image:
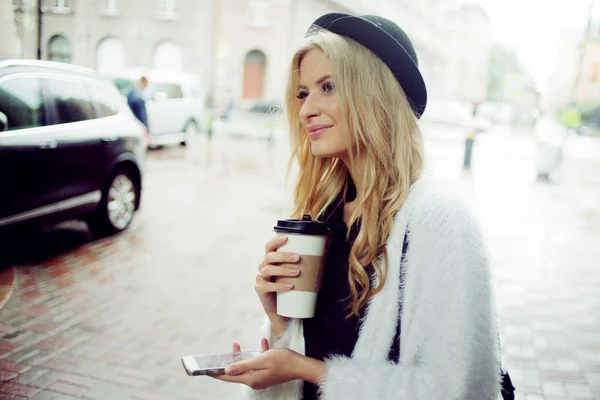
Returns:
(3, 122)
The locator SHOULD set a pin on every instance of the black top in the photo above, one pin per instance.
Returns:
(329, 332)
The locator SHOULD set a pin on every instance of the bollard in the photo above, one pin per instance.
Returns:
(469, 149)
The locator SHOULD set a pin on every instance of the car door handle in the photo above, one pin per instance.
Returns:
(109, 139)
(48, 145)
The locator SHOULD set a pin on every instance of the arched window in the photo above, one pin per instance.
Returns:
(167, 55)
(59, 49)
(255, 66)
(110, 55)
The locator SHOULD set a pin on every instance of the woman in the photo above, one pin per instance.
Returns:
(405, 310)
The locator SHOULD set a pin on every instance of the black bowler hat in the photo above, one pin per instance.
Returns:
(389, 42)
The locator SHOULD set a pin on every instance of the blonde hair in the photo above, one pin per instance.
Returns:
(383, 130)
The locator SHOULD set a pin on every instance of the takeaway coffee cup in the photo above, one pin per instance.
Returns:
(309, 239)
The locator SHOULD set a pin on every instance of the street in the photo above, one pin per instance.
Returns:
(111, 318)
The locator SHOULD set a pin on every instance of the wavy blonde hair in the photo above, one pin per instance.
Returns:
(382, 131)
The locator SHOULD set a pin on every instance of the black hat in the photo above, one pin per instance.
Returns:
(389, 42)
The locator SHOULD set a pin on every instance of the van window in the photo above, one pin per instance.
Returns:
(71, 100)
(22, 102)
(172, 90)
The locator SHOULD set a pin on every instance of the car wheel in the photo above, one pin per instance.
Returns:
(117, 207)
(190, 132)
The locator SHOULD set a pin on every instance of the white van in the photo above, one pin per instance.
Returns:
(174, 103)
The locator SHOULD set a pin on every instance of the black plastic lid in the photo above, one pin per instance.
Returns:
(304, 226)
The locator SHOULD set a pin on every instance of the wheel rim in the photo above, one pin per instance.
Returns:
(121, 201)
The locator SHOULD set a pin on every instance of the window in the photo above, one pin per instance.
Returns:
(110, 55)
(171, 90)
(260, 13)
(61, 6)
(22, 102)
(112, 6)
(255, 65)
(106, 101)
(24, 5)
(168, 8)
(168, 56)
(59, 49)
(71, 101)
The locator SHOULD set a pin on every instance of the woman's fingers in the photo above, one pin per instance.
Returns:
(276, 257)
(236, 347)
(269, 271)
(275, 243)
(263, 287)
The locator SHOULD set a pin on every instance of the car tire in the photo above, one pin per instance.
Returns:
(118, 204)
(191, 130)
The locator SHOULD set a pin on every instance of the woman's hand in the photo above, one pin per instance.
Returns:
(265, 286)
(273, 367)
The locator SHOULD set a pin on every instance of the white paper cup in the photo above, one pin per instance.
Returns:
(310, 240)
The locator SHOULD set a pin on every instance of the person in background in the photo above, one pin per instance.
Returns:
(136, 101)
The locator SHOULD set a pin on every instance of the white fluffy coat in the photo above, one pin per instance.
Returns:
(449, 341)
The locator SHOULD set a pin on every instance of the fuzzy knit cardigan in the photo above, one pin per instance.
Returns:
(449, 346)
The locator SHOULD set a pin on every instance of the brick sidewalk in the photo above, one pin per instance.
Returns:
(111, 319)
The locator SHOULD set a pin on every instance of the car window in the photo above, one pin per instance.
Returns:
(71, 100)
(123, 85)
(105, 100)
(22, 102)
(171, 90)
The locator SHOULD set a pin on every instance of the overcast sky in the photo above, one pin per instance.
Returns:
(533, 28)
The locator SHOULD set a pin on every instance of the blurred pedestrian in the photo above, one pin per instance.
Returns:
(405, 310)
(136, 101)
(470, 139)
(228, 114)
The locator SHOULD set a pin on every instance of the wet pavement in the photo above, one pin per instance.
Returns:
(111, 318)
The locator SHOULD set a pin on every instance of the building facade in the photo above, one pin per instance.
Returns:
(109, 35)
(561, 88)
(452, 40)
(9, 43)
(576, 78)
(588, 84)
(467, 55)
(256, 39)
(242, 48)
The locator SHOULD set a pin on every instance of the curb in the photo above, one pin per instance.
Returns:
(8, 284)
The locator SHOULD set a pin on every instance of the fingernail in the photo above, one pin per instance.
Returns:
(288, 286)
(294, 271)
(294, 257)
(230, 370)
(282, 238)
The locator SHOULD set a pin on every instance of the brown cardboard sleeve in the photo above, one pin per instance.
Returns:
(311, 274)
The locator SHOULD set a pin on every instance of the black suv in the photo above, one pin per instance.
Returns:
(69, 148)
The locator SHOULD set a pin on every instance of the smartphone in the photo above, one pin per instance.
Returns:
(215, 364)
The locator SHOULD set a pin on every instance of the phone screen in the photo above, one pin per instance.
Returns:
(214, 364)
